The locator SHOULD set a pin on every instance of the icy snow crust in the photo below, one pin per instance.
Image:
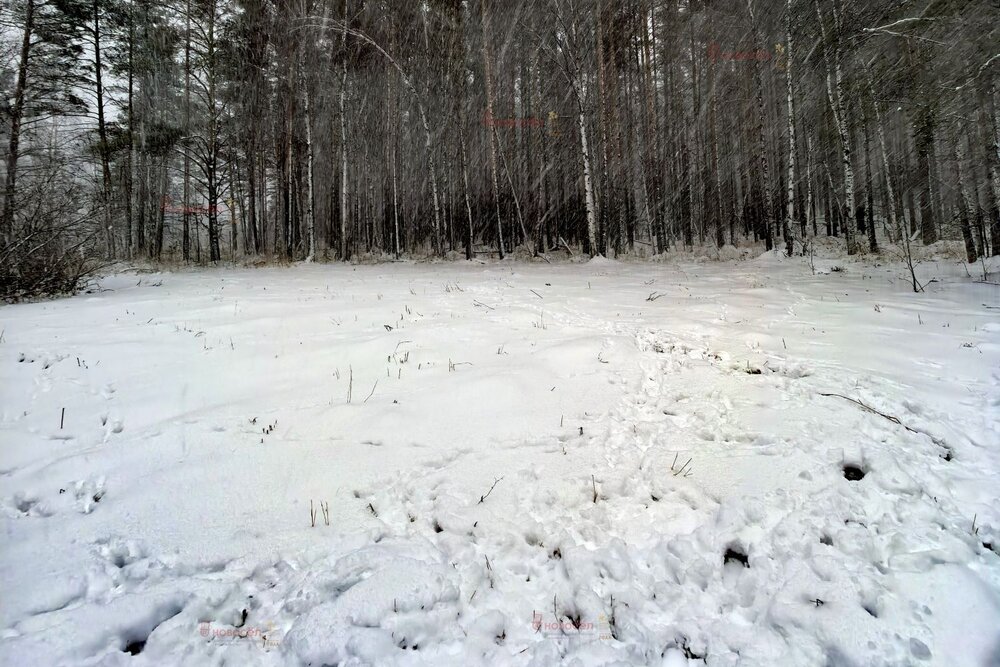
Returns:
(671, 485)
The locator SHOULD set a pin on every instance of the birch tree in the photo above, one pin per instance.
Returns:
(790, 205)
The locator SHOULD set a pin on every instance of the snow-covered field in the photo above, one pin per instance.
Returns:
(522, 464)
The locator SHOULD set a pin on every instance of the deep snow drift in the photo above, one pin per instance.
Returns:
(507, 464)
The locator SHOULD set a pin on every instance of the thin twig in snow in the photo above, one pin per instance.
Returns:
(681, 470)
(894, 420)
(487, 495)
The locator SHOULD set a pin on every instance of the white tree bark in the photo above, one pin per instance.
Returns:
(343, 148)
(311, 219)
(392, 165)
(488, 67)
(588, 185)
(790, 211)
(576, 77)
(835, 92)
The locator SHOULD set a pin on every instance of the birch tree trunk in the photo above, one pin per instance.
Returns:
(489, 120)
(653, 162)
(835, 92)
(790, 210)
(344, 248)
(311, 217)
(588, 186)
(392, 105)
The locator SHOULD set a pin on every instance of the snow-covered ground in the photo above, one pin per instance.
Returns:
(522, 464)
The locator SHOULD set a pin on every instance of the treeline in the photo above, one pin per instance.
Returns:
(214, 129)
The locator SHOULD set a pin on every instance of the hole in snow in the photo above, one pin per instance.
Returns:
(853, 473)
(683, 645)
(735, 555)
(135, 638)
(24, 505)
(826, 539)
(870, 608)
(135, 647)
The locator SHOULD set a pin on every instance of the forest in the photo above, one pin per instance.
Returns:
(205, 131)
